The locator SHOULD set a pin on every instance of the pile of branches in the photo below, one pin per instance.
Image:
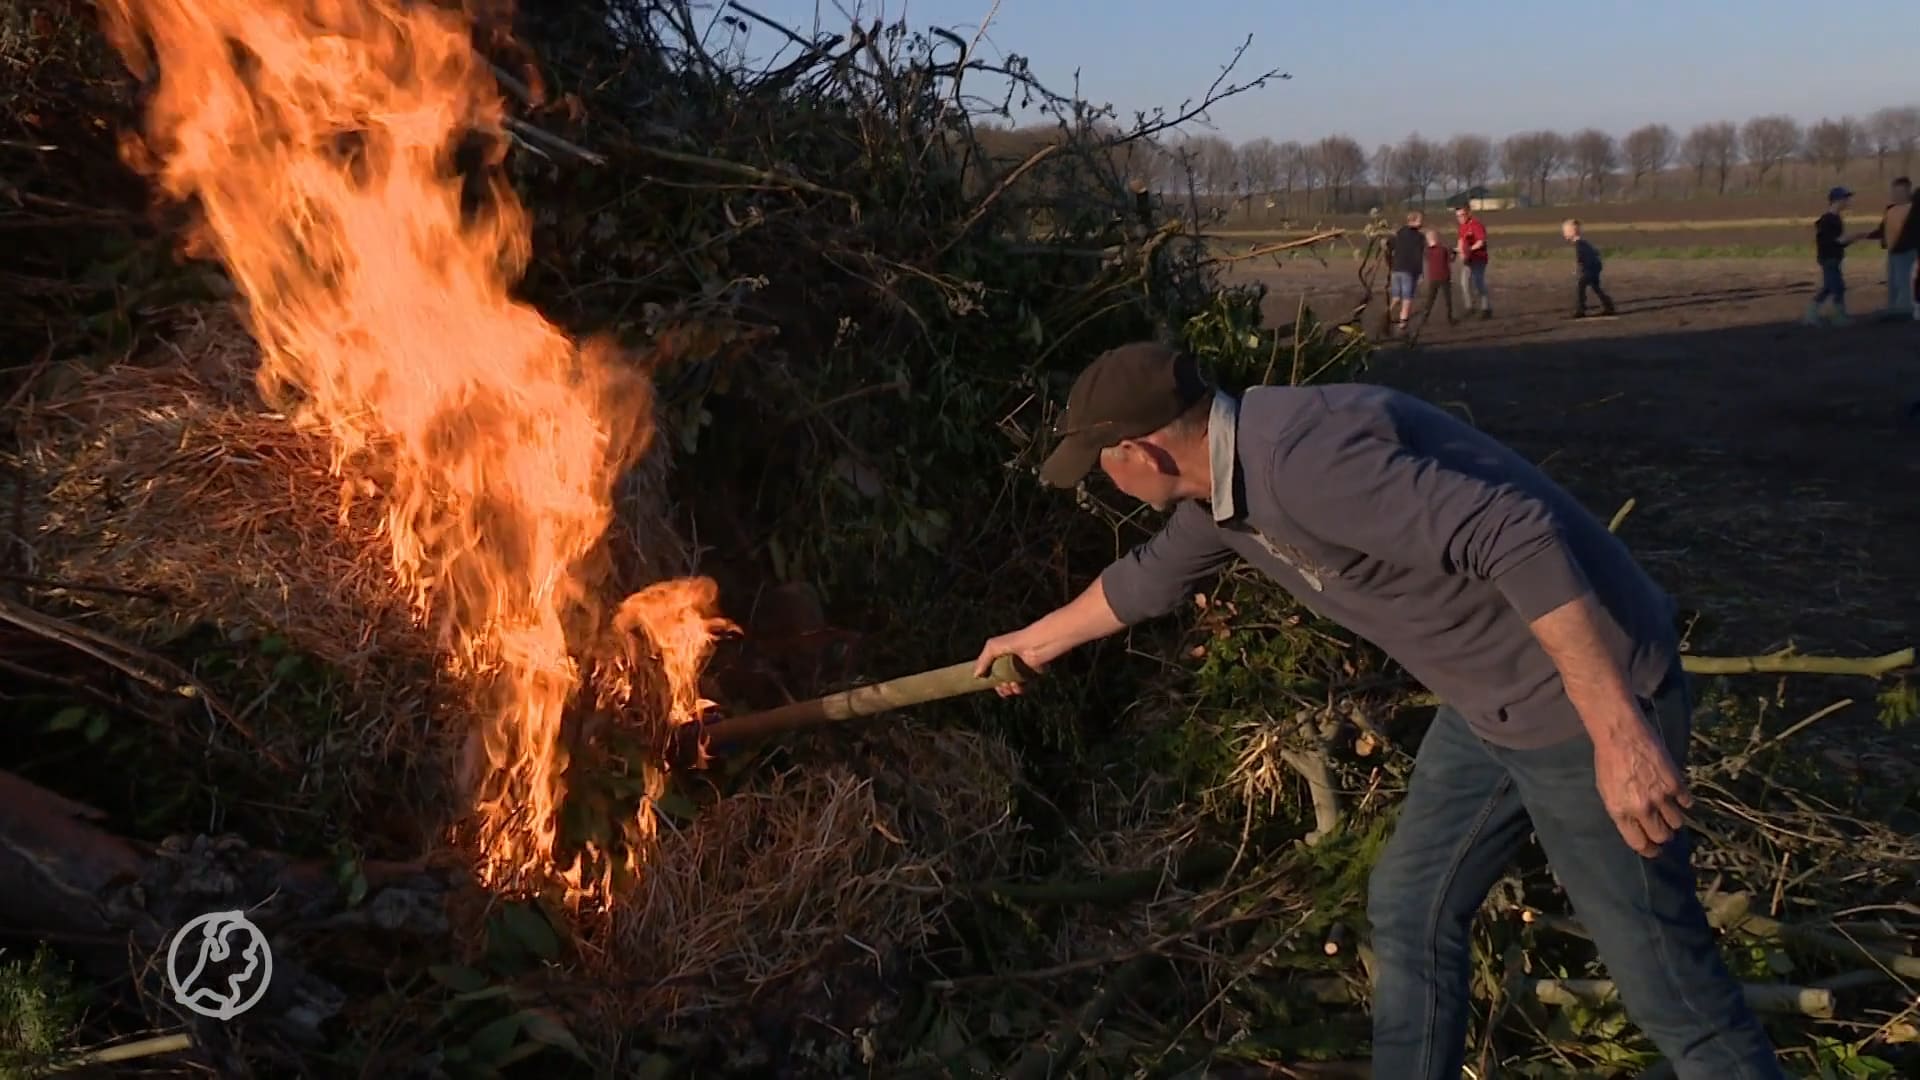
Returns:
(820, 253)
(859, 310)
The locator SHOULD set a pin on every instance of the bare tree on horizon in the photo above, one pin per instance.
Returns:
(1834, 143)
(1469, 160)
(1595, 155)
(1713, 146)
(1894, 131)
(1418, 165)
(1260, 167)
(1648, 150)
(1343, 164)
(1770, 141)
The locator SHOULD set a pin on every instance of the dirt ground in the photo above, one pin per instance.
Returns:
(1775, 475)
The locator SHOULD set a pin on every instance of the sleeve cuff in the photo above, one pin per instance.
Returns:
(1543, 581)
(1134, 594)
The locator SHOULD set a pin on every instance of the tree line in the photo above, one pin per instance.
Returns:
(1335, 173)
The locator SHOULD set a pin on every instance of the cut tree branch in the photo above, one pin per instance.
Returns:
(1762, 997)
(1788, 662)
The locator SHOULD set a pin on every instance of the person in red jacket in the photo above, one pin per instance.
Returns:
(1473, 252)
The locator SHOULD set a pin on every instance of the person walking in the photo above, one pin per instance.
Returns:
(1568, 712)
(1473, 255)
(1830, 242)
(1437, 281)
(1406, 256)
(1586, 270)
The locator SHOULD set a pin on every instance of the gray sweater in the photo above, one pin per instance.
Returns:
(1419, 533)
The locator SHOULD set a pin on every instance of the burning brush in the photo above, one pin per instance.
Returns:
(318, 144)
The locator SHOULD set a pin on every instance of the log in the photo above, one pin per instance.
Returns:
(1761, 997)
(1730, 912)
(67, 877)
(1786, 662)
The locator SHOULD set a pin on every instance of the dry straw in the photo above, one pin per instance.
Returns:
(175, 478)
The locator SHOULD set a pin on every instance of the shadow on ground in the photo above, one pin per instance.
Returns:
(1776, 479)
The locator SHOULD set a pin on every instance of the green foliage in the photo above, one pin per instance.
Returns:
(1836, 1059)
(1899, 704)
(486, 1023)
(40, 1010)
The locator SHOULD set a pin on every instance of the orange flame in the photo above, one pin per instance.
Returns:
(318, 138)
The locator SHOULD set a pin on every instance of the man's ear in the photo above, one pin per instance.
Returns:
(1148, 448)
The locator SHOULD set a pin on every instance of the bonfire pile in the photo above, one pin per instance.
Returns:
(364, 529)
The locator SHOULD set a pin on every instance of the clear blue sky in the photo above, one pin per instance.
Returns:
(1379, 70)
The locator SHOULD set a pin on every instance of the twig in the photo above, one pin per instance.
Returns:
(551, 141)
(1786, 662)
(512, 85)
(1214, 95)
(1620, 516)
(138, 664)
(78, 586)
(91, 644)
(999, 189)
(744, 171)
(1285, 245)
(72, 686)
(1734, 764)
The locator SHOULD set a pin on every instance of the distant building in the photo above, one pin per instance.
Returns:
(1480, 197)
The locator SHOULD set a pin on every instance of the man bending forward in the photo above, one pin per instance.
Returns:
(1567, 710)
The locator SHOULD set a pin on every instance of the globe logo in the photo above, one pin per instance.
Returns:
(227, 965)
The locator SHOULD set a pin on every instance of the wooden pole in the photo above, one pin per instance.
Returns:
(936, 685)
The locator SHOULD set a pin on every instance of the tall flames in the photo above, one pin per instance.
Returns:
(317, 138)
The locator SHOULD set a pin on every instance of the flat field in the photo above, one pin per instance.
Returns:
(1772, 465)
(1769, 225)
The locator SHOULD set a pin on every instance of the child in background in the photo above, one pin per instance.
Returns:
(1404, 256)
(1830, 242)
(1438, 279)
(1586, 269)
(1902, 246)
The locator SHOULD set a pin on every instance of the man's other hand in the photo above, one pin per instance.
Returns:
(1644, 793)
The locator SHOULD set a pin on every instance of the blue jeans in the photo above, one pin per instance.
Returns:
(1400, 285)
(1900, 283)
(1469, 810)
(1833, 284)
(1475, 287)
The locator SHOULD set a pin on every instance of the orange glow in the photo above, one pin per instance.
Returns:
(318, 138)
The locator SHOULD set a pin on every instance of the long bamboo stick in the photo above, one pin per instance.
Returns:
(951, 681)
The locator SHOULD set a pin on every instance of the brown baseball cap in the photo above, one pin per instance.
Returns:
(1125, 393)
